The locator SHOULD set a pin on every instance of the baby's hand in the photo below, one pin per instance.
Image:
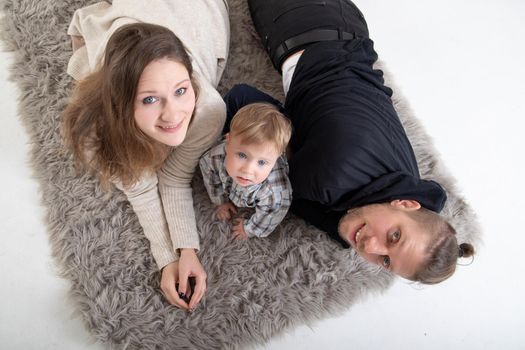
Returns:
(225, 211)
(238, 229)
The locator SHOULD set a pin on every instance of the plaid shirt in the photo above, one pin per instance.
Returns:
(271, 198)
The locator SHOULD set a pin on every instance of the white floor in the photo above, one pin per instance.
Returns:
(460, 63)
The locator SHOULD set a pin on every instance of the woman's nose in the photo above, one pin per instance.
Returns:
(170, 111)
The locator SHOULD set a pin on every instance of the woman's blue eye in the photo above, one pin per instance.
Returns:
(241, 155)
(180, 91)
(386, 261)
(262, 162)
(149, 100)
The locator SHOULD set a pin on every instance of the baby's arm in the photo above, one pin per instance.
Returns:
(225, 211)
(268, 214)
(238, 229)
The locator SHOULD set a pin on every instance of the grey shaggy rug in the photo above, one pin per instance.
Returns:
(257, 289)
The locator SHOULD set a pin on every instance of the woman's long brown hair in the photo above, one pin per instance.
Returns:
(98, 124)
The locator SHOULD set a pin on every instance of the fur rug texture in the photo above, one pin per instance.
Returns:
(256, 289)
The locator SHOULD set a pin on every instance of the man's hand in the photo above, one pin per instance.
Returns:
(238, 229)
(225, 211)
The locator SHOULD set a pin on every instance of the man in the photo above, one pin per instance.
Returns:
(352, 168)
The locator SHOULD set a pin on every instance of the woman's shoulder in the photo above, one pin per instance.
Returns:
(210, 109)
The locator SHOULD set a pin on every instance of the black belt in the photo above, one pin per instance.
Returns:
(307, 38)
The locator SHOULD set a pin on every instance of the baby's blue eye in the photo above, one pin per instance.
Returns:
(386, 261)
(149, 100)
(262, 162)
(241, 155)
(180, 91)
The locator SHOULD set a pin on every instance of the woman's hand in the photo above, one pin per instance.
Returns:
(177, 273)
(190, 266)
(168, 285)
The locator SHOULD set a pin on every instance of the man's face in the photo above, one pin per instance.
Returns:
(384, 234)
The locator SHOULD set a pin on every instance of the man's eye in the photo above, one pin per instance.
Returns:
(180, 91)
(386, 261)
(396, 236)
(262, 162)
(149, 100)
(241, 155)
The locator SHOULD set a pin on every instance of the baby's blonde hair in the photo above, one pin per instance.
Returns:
(261, 122)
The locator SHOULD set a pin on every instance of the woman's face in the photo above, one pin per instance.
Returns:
(164, 102)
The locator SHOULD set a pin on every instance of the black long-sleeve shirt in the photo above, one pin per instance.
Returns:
(349, 146)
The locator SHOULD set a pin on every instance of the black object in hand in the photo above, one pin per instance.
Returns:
(183, 296)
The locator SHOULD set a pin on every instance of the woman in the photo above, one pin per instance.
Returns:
(143, 111)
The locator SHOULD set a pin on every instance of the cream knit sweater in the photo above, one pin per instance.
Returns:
(164, 202)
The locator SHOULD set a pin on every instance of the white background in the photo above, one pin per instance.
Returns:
(460, 64)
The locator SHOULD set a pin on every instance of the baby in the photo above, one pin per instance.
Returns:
(249, 169)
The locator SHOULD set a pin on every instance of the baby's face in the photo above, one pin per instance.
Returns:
(249, 164)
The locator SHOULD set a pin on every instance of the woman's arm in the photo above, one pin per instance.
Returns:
(77, 42)
(177, 172)
(175, 188)
(145, 200)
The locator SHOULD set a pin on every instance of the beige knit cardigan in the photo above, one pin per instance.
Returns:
(163, 202)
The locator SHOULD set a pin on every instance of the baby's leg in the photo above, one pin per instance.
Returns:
(241, 95)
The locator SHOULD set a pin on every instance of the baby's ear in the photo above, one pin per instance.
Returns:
(227, 137)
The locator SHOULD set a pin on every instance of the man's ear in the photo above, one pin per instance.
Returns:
(406, 204)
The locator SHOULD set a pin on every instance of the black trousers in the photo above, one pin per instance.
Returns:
(287, 26)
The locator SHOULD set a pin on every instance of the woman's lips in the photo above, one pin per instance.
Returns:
(170, 128)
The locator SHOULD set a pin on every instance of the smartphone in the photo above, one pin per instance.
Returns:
(186, 297)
